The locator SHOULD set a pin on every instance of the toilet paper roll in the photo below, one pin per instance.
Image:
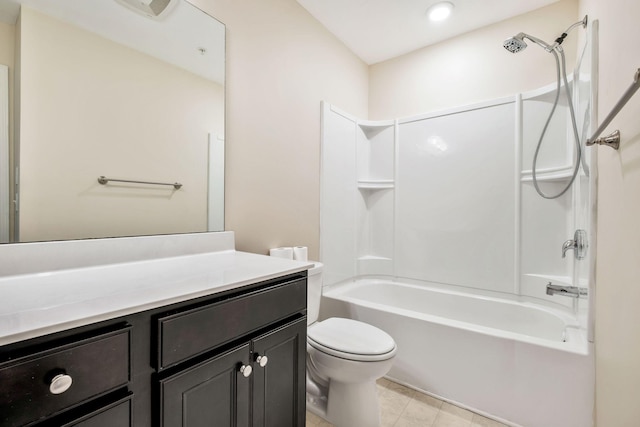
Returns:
(300, 253)
(285, 252)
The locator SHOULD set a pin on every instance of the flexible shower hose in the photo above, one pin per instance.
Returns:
(561, 77)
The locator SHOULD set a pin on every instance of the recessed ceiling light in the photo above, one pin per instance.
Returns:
(440, 11)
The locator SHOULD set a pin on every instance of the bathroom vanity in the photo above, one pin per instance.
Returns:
(205, 338)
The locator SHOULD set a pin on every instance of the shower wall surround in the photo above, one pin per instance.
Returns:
(447, 197)
(456, 198)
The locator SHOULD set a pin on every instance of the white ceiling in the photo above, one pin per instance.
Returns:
(377, 30)
(176, 38)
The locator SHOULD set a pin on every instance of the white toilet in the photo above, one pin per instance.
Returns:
(345, 357)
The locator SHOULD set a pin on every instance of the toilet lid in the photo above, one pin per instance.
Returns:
(350, 339)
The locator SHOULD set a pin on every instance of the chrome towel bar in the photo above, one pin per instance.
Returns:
(104, 180)
(613, 140)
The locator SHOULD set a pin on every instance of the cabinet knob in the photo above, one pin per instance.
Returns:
(60, 383)
(246, 370)
(262, 361)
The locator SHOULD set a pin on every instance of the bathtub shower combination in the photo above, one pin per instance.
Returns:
(442, 241)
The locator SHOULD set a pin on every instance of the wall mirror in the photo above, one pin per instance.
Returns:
(128, 90)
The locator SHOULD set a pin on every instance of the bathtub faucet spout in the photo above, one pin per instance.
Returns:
(569, 291)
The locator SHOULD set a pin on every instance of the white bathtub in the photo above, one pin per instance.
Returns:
(517, 362)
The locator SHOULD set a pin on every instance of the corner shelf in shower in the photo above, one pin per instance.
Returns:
(373, 258)
(548, 174)
(371, 128)
(547, 94)
(372, 264)
(375, 184)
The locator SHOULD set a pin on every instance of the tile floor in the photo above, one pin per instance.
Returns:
(403, 407)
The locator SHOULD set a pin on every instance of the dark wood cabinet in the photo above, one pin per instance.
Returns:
(278, 399)
(188, 333)
(212, 393)
(259, 384)
(45, 383)
(116, 414)
(196, 363)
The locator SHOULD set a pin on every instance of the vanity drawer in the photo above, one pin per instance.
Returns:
(192, 332)
(96, 365)
(117, 414)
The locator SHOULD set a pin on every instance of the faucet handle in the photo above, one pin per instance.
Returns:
(568, 244)
(578, 244)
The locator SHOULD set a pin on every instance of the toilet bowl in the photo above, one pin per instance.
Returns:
(345, 357)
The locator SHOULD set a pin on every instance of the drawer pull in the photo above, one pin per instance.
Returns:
(246, 370)
(262, 361)
(60, 383)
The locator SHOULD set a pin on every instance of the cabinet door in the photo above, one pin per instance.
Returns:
(213, 393)
(279, 386)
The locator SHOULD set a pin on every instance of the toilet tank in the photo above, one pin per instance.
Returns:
(314, 292)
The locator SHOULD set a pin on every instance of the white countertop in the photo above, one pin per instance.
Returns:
(33, 305)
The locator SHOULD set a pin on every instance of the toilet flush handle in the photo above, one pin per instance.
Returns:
(262, 361)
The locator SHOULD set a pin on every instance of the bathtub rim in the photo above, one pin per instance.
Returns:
(576, 343)
(555, 307)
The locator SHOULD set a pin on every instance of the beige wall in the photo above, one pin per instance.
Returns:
(472, 67)
(281, 63)
(423, 81)
(7, 57)
(618, 269)
(7, 41)
(91, 107)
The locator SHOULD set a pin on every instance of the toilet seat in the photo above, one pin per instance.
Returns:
(351, 339)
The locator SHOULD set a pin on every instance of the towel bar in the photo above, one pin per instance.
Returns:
(104, 180)
(613, 140)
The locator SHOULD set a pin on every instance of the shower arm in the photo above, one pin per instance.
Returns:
(613, 140)
(582, 23)
(542, 44)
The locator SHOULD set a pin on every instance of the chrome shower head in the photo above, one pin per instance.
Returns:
(515, 44)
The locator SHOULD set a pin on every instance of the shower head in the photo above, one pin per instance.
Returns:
(516, 43)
